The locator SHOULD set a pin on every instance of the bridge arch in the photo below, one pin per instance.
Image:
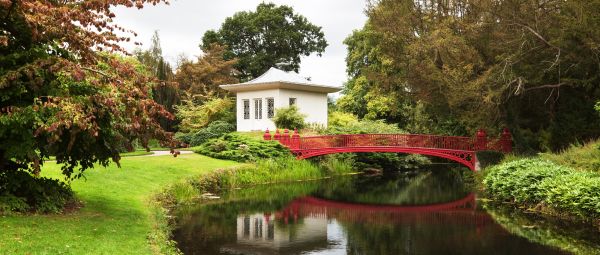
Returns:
(466, 158)
(459, 149)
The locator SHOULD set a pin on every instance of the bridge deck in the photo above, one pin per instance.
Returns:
(457, 148)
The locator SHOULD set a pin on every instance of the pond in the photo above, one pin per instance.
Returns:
(426, 212)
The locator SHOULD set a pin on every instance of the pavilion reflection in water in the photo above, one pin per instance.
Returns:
(302, 227)
(266, 234)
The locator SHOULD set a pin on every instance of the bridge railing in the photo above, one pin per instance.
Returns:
(383, 140)
(478, 143)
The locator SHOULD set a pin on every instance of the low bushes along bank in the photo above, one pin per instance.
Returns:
(542, 184)
(241, 148)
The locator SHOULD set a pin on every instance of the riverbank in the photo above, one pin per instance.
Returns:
(565, 185)
(117, 216)
(209, 186)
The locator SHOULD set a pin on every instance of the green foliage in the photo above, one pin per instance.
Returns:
(241, 148)
(365, 127)
(62, 94)
(577, 193)
(264, 171)
(289, 118)
(520, 180)
(341, 119)
(22, 192)
(534, 181)
(213, 130)
(279, 38)
(195, 116)
(581, 157)
(431, 64)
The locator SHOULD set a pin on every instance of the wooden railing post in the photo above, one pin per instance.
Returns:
(277, 136)
(481, 140)
(295, 140)
(285, 140)
(267, 135)
(506, 141)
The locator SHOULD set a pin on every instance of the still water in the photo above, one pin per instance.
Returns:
(420, 213)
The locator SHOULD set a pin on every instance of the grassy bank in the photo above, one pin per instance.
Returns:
(266, 171)
(565, 184)
(117, 216)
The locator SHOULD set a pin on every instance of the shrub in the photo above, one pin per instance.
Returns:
(195, 116)
(365, 127)
(341, 119)
(577, 192)
(213, 130)
(533, 181)
(582, 157)
(22, 192)
(289, 117)
(242, 149)
(520, 180)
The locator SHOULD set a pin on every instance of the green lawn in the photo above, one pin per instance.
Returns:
(116, 218)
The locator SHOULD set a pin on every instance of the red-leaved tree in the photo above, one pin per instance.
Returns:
(65, 90)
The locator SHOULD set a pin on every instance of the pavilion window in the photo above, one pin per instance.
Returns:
(258, 108)
(270, 107)
(246, 109)
(292, 101)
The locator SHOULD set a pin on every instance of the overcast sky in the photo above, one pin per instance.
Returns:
(182, 24)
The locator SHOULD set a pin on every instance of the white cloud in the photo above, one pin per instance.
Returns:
(182, 24)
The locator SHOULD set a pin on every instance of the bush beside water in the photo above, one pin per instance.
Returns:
(265, 171)
(540, 182)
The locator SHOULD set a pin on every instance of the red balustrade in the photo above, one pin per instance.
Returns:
(460, 149)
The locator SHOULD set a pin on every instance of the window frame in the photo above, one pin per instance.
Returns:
(270, 107)
(246, 108)
(258, 108)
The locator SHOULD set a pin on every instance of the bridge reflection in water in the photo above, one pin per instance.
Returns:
(303, 225)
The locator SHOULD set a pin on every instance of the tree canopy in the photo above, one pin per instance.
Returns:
(62, 93)
(270, 36)
(532, 66)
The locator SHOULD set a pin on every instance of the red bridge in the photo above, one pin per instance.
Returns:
(459, 149)
(462, 211)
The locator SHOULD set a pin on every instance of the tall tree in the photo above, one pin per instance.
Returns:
(529, 65)
(61, 95)
(203, 100)
(165, 92)
(200, 80)
(268, 37)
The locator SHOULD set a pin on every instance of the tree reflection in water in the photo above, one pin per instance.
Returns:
(426, 213)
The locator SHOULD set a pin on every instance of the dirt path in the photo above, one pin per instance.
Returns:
(164, 153)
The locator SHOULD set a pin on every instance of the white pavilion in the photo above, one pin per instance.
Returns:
(258, 99)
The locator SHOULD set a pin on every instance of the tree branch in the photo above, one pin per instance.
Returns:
(547, 86)
(95, 71)
(539, 36)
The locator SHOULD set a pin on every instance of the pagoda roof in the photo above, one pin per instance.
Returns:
(278, 79)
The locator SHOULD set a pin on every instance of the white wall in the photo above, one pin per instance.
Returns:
(313, 104)
(253, 123)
